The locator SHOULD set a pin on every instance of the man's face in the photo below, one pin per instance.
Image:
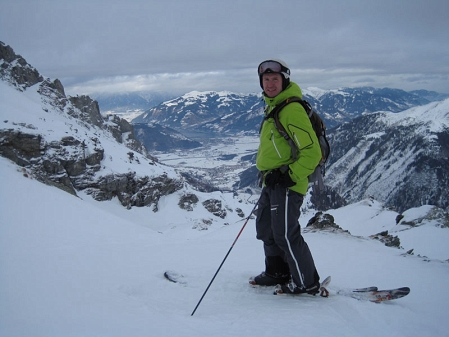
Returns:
(272, 84)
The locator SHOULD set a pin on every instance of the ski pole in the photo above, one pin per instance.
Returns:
(222, 262)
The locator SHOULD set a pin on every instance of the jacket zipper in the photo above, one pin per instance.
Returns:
(274, 144)
(297, 141)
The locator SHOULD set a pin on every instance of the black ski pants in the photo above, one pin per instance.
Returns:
(278, 227)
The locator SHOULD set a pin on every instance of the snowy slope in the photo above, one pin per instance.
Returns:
(75, 267)
(368, 217)
(433, 117)
(28, 113)
(399, 158)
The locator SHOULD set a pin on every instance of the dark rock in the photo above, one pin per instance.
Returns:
(324, 221)
(20, 147)
(16, 70)
(387, 239)
(215, 207)
(188, 201)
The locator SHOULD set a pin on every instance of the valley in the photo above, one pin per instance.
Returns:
(218, 161)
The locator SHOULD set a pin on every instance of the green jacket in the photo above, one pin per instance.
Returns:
(274, 150)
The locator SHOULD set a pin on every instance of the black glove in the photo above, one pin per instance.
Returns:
(276, 177)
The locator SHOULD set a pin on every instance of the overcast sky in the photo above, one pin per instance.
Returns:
(177, 46)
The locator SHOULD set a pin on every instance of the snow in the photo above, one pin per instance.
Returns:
(314, 92)
(71, 266)
(433, 117)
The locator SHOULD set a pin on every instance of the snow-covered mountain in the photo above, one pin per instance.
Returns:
(399, 158)
(208, 112)
(66, 142)
(229, 113)
(393, 170)
(344, 104)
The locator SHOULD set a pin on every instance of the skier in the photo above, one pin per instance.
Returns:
(288, 260)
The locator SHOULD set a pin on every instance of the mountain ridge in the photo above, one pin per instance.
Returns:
(204, 111)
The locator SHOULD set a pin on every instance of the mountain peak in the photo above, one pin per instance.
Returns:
(15, 70)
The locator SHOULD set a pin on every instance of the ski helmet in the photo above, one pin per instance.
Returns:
(274, 66)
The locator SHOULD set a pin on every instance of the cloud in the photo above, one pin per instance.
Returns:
(179, 46)
(178, 83)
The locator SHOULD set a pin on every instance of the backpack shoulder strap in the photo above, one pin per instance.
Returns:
(287, 101)
(275, 115)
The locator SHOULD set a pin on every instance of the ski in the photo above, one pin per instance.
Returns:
(323, 287)
(363, 290)
(376, 296)
(327, 280)
(372, 294)
(174, 277)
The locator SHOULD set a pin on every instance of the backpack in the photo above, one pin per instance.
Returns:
(316, 178)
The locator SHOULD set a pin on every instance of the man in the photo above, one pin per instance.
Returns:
(288, 260)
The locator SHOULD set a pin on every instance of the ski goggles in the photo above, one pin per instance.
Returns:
(271, 66)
